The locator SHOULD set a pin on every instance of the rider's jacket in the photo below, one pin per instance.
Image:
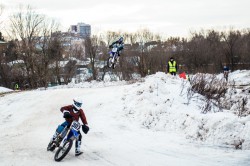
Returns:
(119, 45)
(76, 115)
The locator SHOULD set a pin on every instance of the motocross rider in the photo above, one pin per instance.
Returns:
(119, 44)
(70, 113)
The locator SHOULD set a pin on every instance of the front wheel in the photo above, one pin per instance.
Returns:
(110, 64)
(63, 151)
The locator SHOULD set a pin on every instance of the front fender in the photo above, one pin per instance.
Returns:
(73, 134)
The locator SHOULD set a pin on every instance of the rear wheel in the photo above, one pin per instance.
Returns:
(110, 64)
(63, 151)
(114, 64)
(115, 61)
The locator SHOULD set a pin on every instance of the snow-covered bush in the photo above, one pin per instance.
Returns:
(237, 101)
(211, 87)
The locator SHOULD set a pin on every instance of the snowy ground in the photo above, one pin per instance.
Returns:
(145, 123)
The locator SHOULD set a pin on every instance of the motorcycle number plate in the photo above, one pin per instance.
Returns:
(114, 50)
(76, 125)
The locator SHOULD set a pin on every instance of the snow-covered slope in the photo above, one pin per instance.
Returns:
(160, 103)
(240, 77)
(145, 123)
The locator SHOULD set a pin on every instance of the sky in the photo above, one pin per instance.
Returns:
(172, 18)
(147, 123)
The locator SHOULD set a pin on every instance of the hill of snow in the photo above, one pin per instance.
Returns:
(240, 77)
(159, 104)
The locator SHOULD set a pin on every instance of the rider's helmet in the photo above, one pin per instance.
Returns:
(77, 103)
(171, 59)
(120, 40)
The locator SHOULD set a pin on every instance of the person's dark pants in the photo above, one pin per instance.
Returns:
(173, 73)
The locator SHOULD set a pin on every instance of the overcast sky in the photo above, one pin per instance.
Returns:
(170, 17)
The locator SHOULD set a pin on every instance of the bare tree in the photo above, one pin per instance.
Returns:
(232, 46)
(245, 59)
(25, 26)
(91, 49)
(3, 66)
(215, 50)
(55, 54)
(45, 53)
(144, 56)
(198, 58)
(111, 36)
(10, 72)
(69, 71)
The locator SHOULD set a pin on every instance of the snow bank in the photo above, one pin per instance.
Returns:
(160, 103)
(4, 90)
(92, 84)
(240, 77)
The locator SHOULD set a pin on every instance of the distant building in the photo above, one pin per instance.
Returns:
(81, 29)
(73, 29)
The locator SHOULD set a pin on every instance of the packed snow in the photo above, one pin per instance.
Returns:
(240, 77)
(4, 90)
(144, 123)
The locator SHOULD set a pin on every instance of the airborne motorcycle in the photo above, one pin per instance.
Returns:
(113, 55)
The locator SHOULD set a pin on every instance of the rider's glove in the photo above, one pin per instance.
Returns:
(66, 114)
(85, 128)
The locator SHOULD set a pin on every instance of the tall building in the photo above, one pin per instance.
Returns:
(73, 29)
(81, 29)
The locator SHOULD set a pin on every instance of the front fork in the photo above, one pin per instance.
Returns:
(113, 56)
(62, 137)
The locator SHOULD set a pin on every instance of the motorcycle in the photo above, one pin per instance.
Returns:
(64, 140)
(112, 60)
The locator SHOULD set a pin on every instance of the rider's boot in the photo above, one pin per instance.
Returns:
(50, 147)
(78, 148)
(54, 136)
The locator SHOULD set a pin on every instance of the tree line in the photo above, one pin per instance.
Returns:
(37, 53)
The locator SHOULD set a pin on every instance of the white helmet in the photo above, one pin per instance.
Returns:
(77, 103)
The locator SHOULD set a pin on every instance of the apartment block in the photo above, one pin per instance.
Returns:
(81, 30)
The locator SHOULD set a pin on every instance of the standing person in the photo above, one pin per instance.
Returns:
(70, 113)
(172, 66)
(16, 86)
(225, 72)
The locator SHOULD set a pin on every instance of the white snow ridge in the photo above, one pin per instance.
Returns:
(145, 123)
